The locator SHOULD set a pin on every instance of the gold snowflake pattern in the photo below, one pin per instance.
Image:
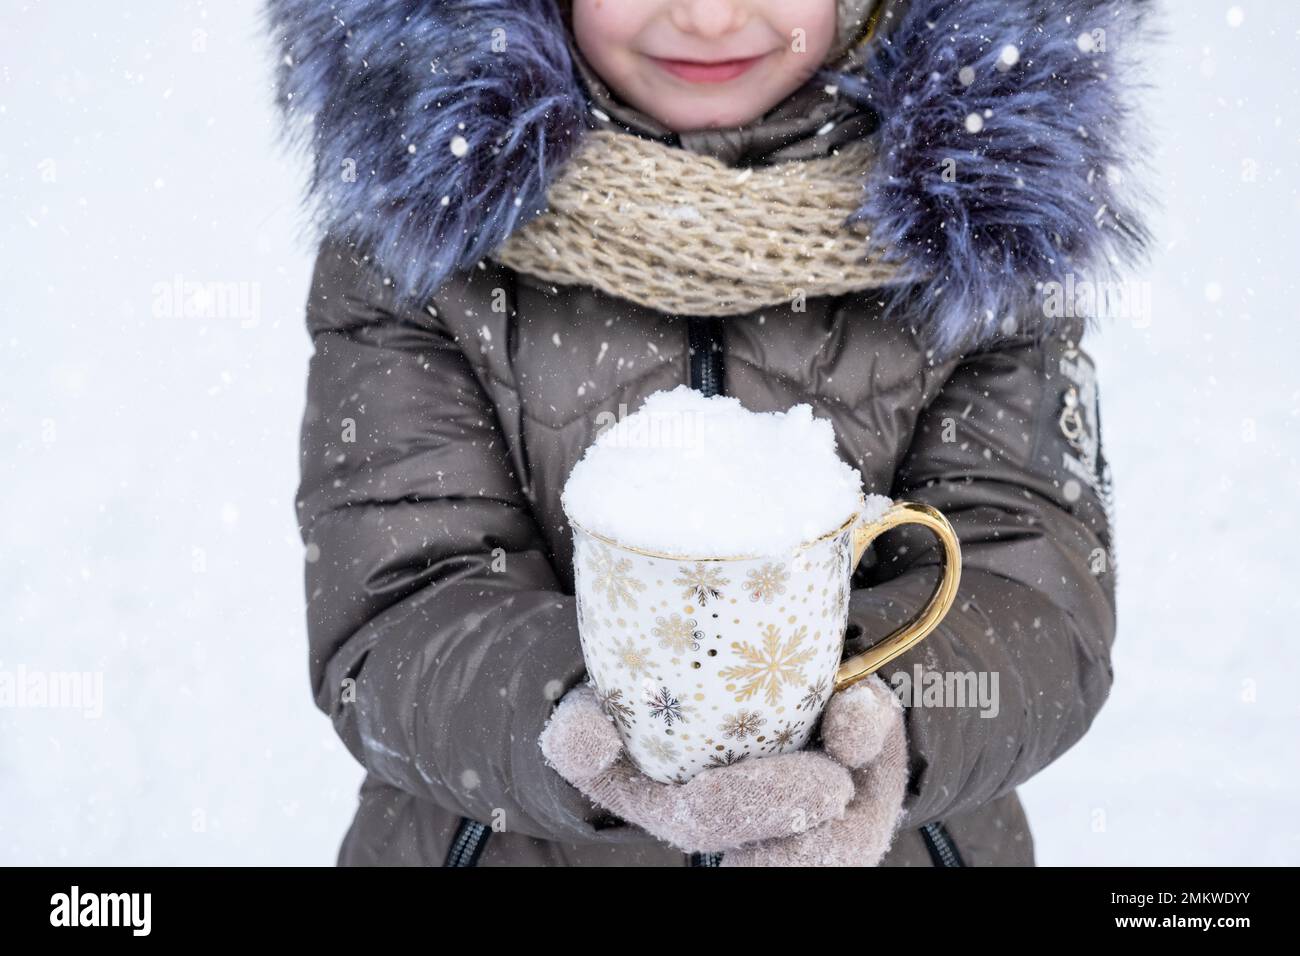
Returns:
(702, 583)
(813, 697)
(726, 759)
(767, 582)
(768, 667)
(742, 724)
(783, 737)
(665, 706)
(661, 750)
(615, 707)
(677, 634)
(839, 554)
(636, 660)
(613, 577)
(840, 603)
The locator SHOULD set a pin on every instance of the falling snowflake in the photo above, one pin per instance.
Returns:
(767, 582)
(635, 659)
(726, 759)
(742, 724)
(615, 707)
(703, 583)
(677, 634)
(664, 705)
(769, 667)
(614, 578)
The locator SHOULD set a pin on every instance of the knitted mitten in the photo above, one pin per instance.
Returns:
(863, 728)
(718, 809)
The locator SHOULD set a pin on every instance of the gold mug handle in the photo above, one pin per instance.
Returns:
(945, 592)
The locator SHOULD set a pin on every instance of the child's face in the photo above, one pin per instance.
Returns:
(698, 64)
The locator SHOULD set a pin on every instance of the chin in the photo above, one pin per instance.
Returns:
(694, 119)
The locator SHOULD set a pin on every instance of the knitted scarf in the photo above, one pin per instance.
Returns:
(684, 233)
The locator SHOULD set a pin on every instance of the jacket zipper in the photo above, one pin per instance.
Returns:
(704, 343)
(943, 851)
(468, 843)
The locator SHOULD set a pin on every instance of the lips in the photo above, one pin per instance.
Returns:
(716, 71)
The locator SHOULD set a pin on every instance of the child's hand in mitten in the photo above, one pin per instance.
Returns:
(718, 809)
(862, 729)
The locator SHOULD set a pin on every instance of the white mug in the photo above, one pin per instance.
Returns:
(704, 662)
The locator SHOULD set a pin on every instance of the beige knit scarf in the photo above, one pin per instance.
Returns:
(684, 233)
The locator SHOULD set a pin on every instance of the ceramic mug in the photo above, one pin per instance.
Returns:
(704, 662)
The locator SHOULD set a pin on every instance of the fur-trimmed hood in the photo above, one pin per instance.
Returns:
(1006, 140)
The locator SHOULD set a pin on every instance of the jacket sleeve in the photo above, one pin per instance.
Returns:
(439, 636)
(1035, 610)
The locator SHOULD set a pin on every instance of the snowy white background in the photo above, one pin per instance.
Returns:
(150, 460)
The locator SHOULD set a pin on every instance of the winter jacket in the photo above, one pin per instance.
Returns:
(448, 398)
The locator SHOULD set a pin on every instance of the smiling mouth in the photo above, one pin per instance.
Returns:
(716, 71)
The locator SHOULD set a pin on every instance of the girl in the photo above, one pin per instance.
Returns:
(536, 213)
